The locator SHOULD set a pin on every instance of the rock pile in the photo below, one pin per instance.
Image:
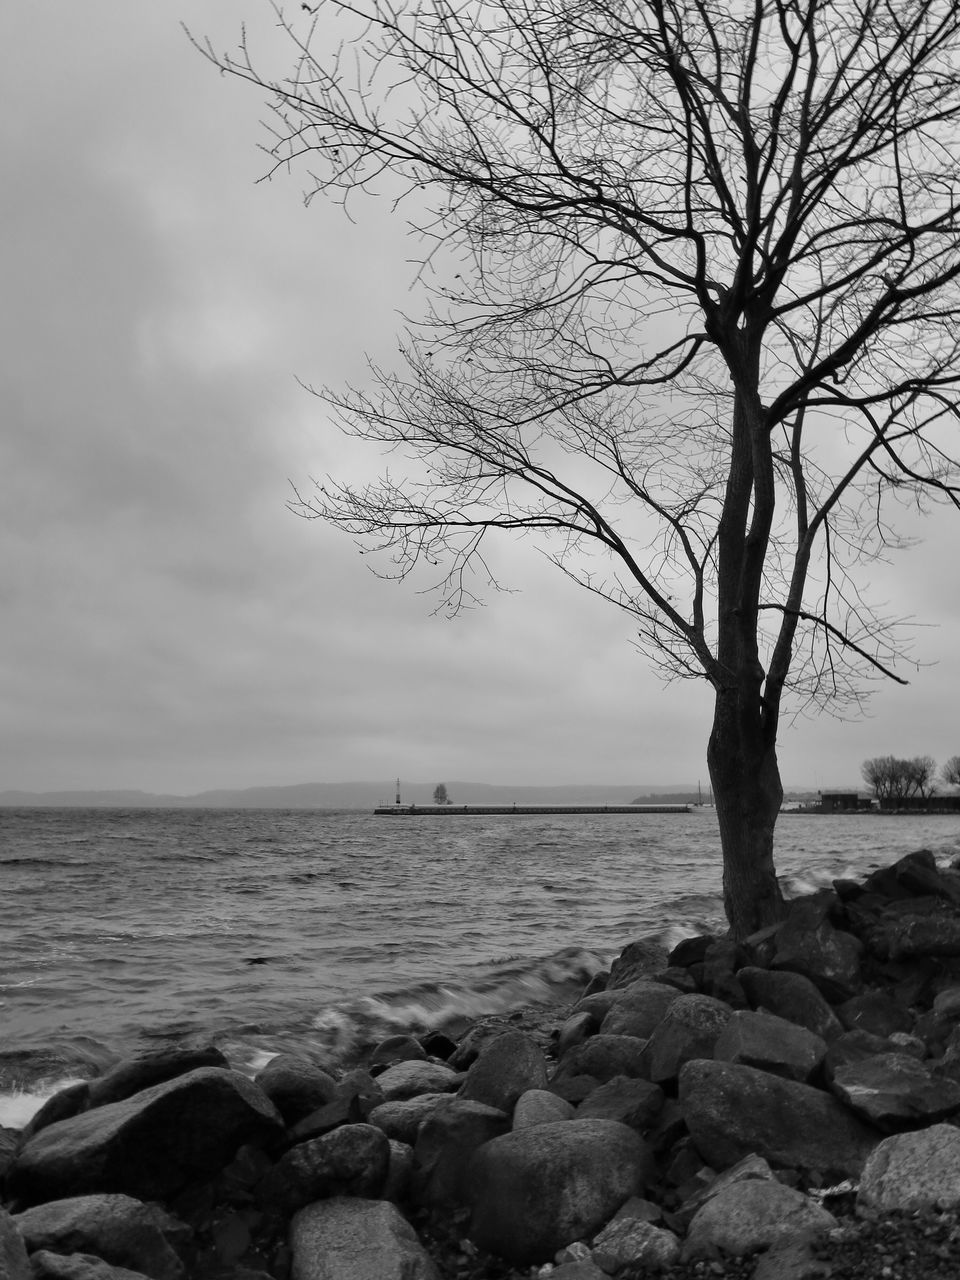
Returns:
(676, 1121)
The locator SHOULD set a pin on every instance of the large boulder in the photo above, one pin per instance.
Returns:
(809, 944)
(754, 1214)
(732, 1111)
(78, 1266)
(116, 1228)
(351, 1239)
(763, 1040)
(296, 1086)
(14, 1264)
(408, 1079)
(402, 1119)
(689, 1029)
(540, 1106)
(639, 1010)
(151, 1145)
(790, 996)
(445, 1146)
(631, 1242)
(894, 1091)
(353, 1160)
(636, 1103)
(505, 1068)
(911, 1171)
(602, 1057)
(535, 1190)
(637, 960)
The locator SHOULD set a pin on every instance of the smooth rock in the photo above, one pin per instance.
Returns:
(150, 1145)
(770, 1043)
(639, 1010)
(296, 1086)
(894, 1091)
(603, 1057)
(351, 1239)
(910, 1171)
(575, 1029)
(638, 959)
(688, 1030)
(445, 1145)
(77, 1266)
(750, 1167)
(754, 1214)
(399, 1174)
(14, 1264)
(539, 1106)
(409, 1079)
(535, 1190)
(399, 1048)
(401, 1120)
(790, 996)
(116, 1228)
(633, 1242)
(733, 1111)
(808, 944)
(353, 1160)
(636, 1103)
(506, 1067)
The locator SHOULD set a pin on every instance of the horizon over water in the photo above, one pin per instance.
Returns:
(261, 931)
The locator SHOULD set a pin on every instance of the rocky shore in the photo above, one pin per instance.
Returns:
(783, 1109)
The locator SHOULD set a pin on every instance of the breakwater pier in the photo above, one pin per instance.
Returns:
(485, 810)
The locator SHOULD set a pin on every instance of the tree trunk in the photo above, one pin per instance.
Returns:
(748, 793)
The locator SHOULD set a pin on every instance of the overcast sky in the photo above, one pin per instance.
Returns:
(166, 622)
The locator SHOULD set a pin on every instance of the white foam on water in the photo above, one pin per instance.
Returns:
(18, 1107)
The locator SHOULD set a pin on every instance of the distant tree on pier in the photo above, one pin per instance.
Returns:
(950, 773)
(440, 794)
(695, 323)
(896, 779)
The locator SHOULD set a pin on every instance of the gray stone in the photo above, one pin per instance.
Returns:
(770, 1043)
(633, 1242)
(894, 1091)
(575, 1029)
(639, 1010)
(876, 1012)
(150, 1145)
(637, 960)
(808, 944)
(603, 1057)
(296, 1086)
(535, 1190)
(539, 1106)
(688, 1030)
(117, 1228)
(732, 1111)
(445, 1145)
(636, 1103)
(77, 1266)
(14, 1264)
(402, 1119)
(400, 1048)
(790, 996)
(910, 1171)
(353, 1160)
(507, 1067)
(400, 1173)
(753, 1214)
(351, 1239)
(408, 1079)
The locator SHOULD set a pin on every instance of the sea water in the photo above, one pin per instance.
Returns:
(263, 930)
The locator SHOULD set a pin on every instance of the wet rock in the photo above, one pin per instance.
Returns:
(401, 1120)
(539, 1106)
(351, 1161)
(876, 1012)
(445, 1145)
(631, 1242)
(908, 1171)
(77, 1266)
(361, 1089)
(296, 1086)
(636, 1103)
(399, 1048)
(732, 1111)
(602, 1057)
(575, 1030)
(790, 996)
(9, 1145)
(770, 1043)
(752, 1167)
(910, 933)
(639, 1010)
(637, 960)
(149, 1146)
(506, 1067)
(809, 944)
(14, 1264)
(408, 1079)
(718, 972)
(351, 1239)
(116, 1228)
(342, 1110)
(754, 1214)
(399, 1173)
(894, 1091)
(535, 1190)
(688, 1030)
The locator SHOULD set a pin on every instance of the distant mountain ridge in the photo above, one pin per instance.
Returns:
(343, 795)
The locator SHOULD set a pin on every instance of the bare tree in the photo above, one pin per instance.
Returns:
(695, 322)
(921, 775)
(882, 774)
(950, 772)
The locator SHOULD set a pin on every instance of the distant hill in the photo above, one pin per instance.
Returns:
(347, 795)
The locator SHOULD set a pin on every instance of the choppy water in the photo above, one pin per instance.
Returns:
(263, 930)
